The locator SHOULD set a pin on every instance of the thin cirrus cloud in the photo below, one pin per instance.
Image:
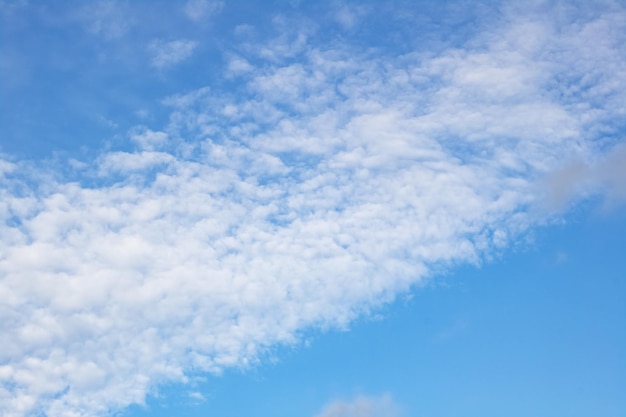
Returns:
(166, 54)
(576, 179)
(109, 19)
(361, 406)
(318, 189)
(200, 10)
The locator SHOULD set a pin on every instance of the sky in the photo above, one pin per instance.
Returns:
(312, 209)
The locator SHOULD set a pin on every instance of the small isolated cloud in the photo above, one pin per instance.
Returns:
(606, 176)
(561, 257)
(453, 330)
(566, 182)
(612, 175)
(199, 10)
(168, 54)
(197, 397)
(238, 65)
(361, 406)
(349, 15)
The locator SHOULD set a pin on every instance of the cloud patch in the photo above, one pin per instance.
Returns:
(109, 19)
(361, 406)
(578, 179)
(200, 10)
(166, 54)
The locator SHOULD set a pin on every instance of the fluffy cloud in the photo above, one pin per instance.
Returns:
(148, 139)
(315, 190)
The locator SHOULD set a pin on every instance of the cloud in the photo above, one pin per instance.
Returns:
(107, 18)
(578, 179)
(148, 139)
(361, 407)
(320, 187)
(612, 174)
(167, 54)
(7, 8)
(199, 10)
(348, 16)
(197, 397)
(237, 66)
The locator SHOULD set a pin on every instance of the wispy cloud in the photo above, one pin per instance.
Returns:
(7, 8)
(606, 176)
(361, 406)
(166, 54)
(200, 10)
(107, 18)
(349, 15)
(324, 184)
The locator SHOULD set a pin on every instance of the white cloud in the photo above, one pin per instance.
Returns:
(6, 167)
(238, 66)
(292, 39)
(167, 54)
(197, 397)
(361, 406)
(316, 191)
(113, 162)
(148, 139)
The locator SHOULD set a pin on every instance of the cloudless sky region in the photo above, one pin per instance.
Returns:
(312, 209)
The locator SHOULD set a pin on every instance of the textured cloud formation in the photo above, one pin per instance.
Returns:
(316, 189)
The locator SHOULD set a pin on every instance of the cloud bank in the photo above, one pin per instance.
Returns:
(326, 182)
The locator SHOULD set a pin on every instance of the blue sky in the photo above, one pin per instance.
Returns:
(312, 209)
